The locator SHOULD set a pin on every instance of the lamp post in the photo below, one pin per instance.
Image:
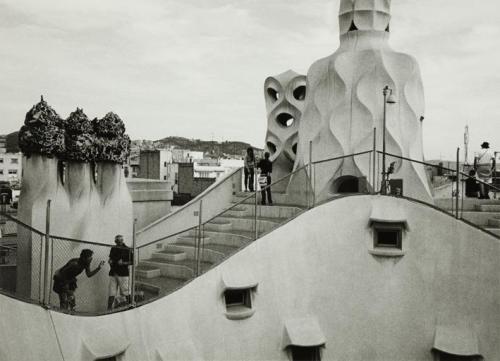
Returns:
(388, 99)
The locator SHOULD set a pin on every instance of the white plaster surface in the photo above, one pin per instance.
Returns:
(81, 209)
(283, 138)
(368, 307)
(344, 102)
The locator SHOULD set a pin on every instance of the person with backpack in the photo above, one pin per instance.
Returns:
(266, 168)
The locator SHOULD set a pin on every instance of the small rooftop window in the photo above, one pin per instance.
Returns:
(455, 343)
(238, 295)
(303, 339)
(305, 353)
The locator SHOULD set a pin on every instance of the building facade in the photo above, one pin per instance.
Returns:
(10, 166)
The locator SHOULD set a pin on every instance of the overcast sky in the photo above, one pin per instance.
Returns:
(196, 68)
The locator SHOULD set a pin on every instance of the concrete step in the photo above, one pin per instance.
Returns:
(219, 225)
(248, 223)
(469, 204)
(271, 211)
(189, 250)
(170, 255)
(488, 207)
(494, 222)
(493, 230)
(145, 271)
(479, 218)
(162, 285)
(232, 239)
(191, 238)
(219, 248)
(170, 269)
(149, 291)
(278, 198)
(236, 211)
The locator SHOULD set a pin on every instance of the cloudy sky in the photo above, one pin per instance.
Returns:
(196, 68)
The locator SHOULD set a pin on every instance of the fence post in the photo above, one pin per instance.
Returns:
(310, 175)
(374, 186)
(46, 287)
(134, 262)
(457, 196)
(256, 229)
(198, 252)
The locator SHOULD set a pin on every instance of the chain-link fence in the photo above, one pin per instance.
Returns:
(21, 259)
(73, 274)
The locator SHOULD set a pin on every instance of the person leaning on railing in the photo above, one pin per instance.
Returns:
(65, 278)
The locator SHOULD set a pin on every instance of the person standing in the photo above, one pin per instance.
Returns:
(65, 278)
(471, 186)
(120, 258)
(484, 164)
(266, 168)
(249, 169)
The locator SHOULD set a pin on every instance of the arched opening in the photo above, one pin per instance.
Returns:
(300, 93)
(294, 148)
(273, 94)
(271, 147)
(346, 184)
(285, 120)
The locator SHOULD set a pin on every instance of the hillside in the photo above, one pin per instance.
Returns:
(12, 142)
(209, 147)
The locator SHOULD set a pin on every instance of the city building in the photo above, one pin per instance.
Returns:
(155, 164)
(10, 164)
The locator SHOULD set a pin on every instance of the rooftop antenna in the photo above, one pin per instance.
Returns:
(466, 145)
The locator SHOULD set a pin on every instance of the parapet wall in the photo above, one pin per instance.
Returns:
(368, 307)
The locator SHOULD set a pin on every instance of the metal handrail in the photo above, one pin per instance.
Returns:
(437, 166)
(286, 176)
(166, 237)
(60, 238)
(13, 219)
(342, 157)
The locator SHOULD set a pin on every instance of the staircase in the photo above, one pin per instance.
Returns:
(484, 213)
(173, 262)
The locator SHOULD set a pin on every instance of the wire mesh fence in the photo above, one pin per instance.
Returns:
(73, 275)
(21, 259)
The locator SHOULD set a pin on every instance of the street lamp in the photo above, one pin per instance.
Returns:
(388, 99)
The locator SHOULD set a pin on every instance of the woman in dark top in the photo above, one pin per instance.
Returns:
(249, 169)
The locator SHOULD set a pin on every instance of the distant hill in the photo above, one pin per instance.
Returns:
(208, 147)
(12, 143)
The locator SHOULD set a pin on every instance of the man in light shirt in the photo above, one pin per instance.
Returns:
(484, 164)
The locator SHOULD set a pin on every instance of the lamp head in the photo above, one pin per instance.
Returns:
(391, 99)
